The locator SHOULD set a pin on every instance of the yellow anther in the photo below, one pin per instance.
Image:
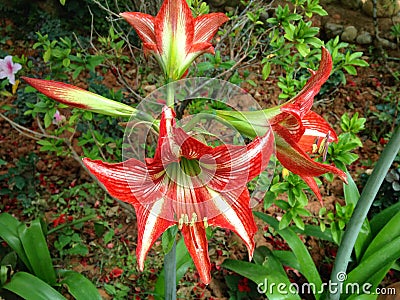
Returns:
(180, 222)
(205, 222)
(315, 146)
(186, 219)
(194, 219)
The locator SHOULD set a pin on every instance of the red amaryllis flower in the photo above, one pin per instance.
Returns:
(188, 184)
(174, 36)
(297, 130)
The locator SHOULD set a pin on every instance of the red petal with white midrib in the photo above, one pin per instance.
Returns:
(236, 215)
(151, 226)
(206, 26)
(143, 24)
(303, 101)
(195, 239)
(296, 160)
(174, 23)
(315, 126)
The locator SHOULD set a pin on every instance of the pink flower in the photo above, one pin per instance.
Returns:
(8, 69)
(58, 118)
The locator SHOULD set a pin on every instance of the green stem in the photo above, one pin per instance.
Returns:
(360, 212)
(170, 95)
(170, 273)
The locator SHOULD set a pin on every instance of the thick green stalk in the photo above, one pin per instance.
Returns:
(360, 212)
(170, 95)
(170, 273)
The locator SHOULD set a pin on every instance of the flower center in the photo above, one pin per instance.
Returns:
(190, 167)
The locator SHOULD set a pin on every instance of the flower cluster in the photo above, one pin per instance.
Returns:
(188, 183)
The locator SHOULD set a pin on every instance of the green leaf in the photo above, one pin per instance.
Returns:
(389, 252)
(30, 287)
(314, 230)
(266, 70)
(350, 69)
(267, 276)
(37, 251)
(79, 286)
(9, 233)
(308, 268)
(387, 234)
(380, 220)
(168, 239)
(287, 258)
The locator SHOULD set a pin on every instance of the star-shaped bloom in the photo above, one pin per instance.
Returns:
(8, 69)
(174, 36)
(189, 184)
(297, 130)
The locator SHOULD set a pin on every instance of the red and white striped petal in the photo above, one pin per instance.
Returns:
(143, 24)
(296, 160)
(315, 127)
(130, 181)
(235, 215)
(195, 239)
(174, 29)
(206, 26)
(152, 221)
(303, 101)
(80, 98)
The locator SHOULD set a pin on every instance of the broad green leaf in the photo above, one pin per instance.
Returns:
(387, 234)
(308, 268)
(314, 230)
(389, 252)
(381, 219)
(9, 233)
(287, 258)
(270, 277)
(362, 297)
(168, 239)
(37, 251)
(79, 286)
(30, 287)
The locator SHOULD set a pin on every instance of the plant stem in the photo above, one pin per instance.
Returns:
(170, 95)
(170, 273)
(360, 212)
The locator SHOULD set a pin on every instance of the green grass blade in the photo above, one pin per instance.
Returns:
(79, 286)
(37, 251)
(30, 287)
(9, 233)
